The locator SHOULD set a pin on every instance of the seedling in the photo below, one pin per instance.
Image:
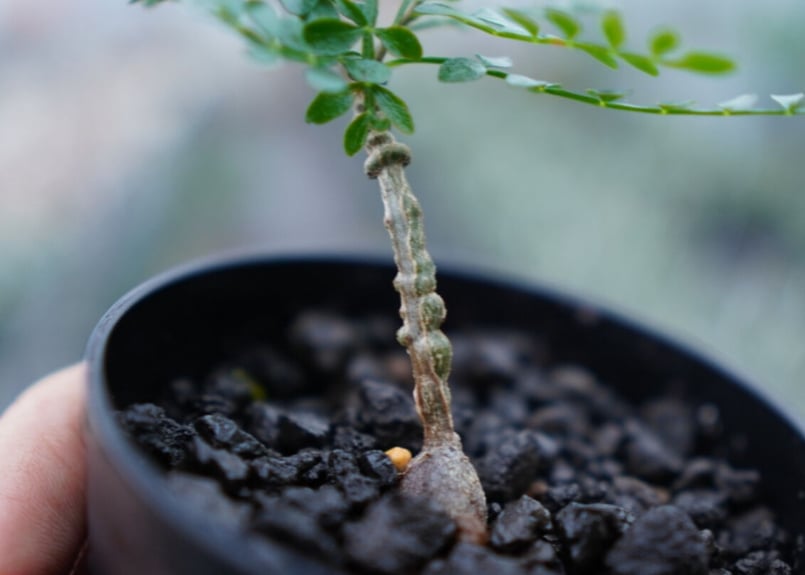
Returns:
(350, 56)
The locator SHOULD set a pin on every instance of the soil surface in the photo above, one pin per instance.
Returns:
(578, 481)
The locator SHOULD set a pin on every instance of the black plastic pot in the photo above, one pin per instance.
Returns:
(186, 322)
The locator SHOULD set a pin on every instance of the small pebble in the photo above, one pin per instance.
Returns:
(161, 436)
(588, 531)
(224, 433)
(397, 534)
(662, 541)
(510, 467)
(519, 524)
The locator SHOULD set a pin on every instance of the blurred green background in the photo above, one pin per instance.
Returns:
(134, 140)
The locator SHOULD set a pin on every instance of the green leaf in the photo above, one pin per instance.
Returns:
(288, 30)
(402, 10)
(431, 23)
(607, 96)
(227, 16)
(290, 33)
(569, 26)
(327, 106)
(395, 109)
(677, 106)
(662, 42)
(789, 102)
(519, 81)
(228, 11)
(299, 7)
(325, 80)
(264, 55)
(380, 123)
(603, 55)
(365, 70)
(438, 9)
(356, 134)
(331, 36)
(400, 42)
(352, 11)
(264, 17)
(704, 63)
(613, 29)
(642, 63)
(324, 9)
(495, 61)
(498, 21)
(370, 11)
(528, 24)
(739, 103)
(461, 70)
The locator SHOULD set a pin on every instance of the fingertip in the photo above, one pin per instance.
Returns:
(42, 455)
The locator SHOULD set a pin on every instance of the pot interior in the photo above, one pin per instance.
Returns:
(196, 318)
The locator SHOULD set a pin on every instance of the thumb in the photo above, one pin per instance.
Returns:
(42, 476)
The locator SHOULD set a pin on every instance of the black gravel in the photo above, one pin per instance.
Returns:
(578, 481)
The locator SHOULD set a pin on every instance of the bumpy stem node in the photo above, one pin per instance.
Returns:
(441, 471)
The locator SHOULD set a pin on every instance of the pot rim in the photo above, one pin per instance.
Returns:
(143, 475)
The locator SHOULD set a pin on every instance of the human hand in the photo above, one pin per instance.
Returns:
(42, 477)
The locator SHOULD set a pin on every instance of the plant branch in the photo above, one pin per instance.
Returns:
(441, 472)
(540, 87)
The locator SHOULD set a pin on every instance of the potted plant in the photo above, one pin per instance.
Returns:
(197, 323)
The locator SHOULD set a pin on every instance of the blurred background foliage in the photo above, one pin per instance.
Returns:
(133, 140)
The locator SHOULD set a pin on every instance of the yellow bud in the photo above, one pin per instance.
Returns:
(399, 457)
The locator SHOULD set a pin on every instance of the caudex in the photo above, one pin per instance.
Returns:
(350, 57)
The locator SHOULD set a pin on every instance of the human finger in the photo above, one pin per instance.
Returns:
(42, 476)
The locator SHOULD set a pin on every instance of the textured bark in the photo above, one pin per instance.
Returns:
(441, 471)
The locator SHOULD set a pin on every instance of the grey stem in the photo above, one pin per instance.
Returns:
(422, 309)
(441, 471)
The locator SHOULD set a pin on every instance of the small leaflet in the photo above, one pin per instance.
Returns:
(519, 81)
(677, 106)
(436, 9)
(789, 102)
(607, 96)
(499, 22)
(739, 103)
(495, 61)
